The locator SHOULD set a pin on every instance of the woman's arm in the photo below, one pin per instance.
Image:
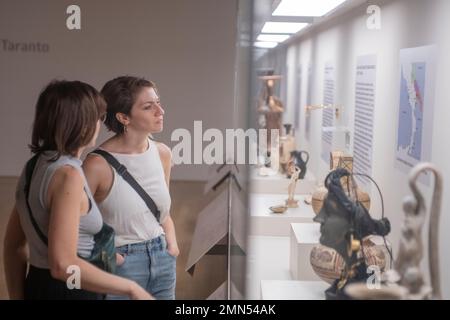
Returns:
(65, 197)
(168, 226)
(15, 257)
(169, 229)
(99, 176)
(165, 154)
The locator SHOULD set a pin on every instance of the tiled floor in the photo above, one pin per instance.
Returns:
(187, 201)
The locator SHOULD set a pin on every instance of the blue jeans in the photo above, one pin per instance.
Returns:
(151, 266)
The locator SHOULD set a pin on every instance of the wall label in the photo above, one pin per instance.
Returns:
(19, 46)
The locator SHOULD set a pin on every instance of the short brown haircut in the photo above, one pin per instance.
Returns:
(120, 95)
(66, 117)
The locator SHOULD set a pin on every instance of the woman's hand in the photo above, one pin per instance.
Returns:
(138, 293)
(15, 257)
(171, 239)
(119, 260)
(173, 250)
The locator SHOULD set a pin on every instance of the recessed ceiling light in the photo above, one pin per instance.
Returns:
(306, 8)
(283, 27)
(265, 44)
(272, 37)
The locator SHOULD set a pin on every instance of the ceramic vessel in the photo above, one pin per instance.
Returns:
(329, 265)
(298, 159)
(278, 209)
(321, 192)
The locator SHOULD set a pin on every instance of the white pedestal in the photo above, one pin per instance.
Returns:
(267, 259)
(264, 222)
(279, 183)
(293, 290)
(303, 237)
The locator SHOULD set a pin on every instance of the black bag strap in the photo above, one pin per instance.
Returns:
(123, 172)
(29, 169)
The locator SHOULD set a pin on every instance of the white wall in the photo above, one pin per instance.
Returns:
(405, 24)
(186, 47)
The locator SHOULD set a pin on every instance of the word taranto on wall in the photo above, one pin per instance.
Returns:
(25, 47)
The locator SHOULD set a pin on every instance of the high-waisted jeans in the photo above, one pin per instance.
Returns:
(151, 266)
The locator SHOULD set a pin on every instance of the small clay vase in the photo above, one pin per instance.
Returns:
(318, 197)
(298, 161)
(321, 192)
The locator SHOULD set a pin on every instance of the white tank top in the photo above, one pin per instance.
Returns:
(124, 210)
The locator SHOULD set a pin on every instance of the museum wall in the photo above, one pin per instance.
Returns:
(404, 24)
(186, 47)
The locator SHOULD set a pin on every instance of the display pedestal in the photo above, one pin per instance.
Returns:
(293, 290)
(263, 222)
(303, 237)
(267, 259)
(279, 183)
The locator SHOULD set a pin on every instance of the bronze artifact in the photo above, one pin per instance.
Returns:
(345, 223)
(270, 107)
(406, 280)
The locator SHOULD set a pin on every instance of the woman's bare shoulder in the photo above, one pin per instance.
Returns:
(66, 178)
(164, 152)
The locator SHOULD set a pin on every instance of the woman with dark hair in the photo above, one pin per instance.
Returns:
(59, 207)
(145, 233)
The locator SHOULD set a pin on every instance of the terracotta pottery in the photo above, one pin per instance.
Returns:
(321, 192)
(278, 209)
(364, 198)
(328, 264)
(317, 198)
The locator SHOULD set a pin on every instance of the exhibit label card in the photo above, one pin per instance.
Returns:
(416, 107)
(328, 114)
(365, 83)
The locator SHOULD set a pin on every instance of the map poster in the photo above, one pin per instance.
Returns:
(415, 116)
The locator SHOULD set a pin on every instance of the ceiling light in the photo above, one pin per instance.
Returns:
(306, 8)
(272, 37)
(283, 27)
(265, 44)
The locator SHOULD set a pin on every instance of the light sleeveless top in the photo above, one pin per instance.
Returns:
(90, 223)
(124, 210)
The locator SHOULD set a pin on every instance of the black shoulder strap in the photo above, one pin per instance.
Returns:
(122, 171)
(29, 169)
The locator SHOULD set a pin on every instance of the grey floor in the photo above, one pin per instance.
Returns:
(187, 201)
